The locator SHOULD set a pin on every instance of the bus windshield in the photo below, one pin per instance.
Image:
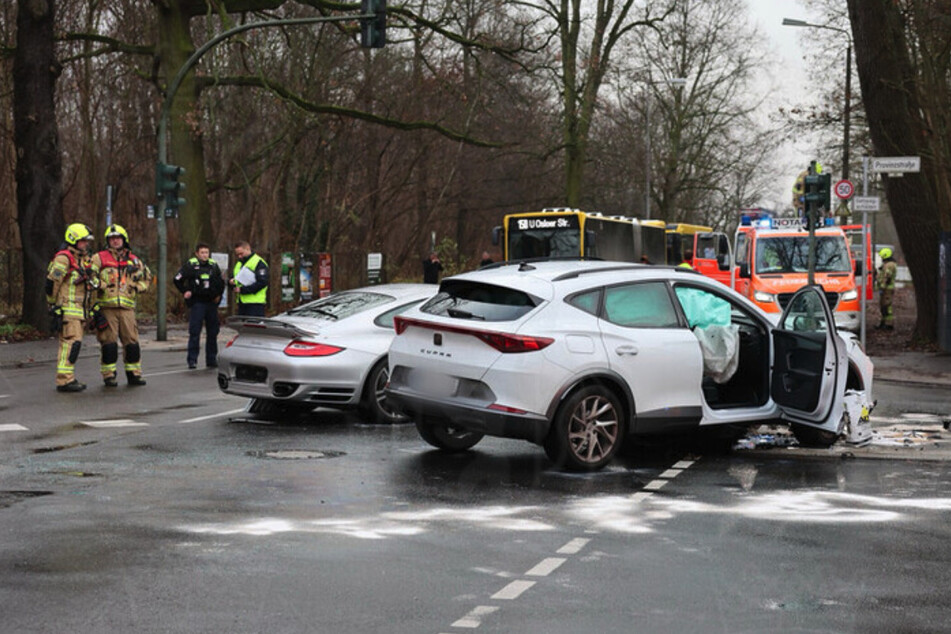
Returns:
(539, 237)
(790, 254)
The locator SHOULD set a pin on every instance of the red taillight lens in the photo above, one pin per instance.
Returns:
(513, 343)
(233, 339)
(298, 348)
(501, 341)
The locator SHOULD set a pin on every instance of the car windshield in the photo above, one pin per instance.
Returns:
(340, 305)
(463, 299)
(790, 254)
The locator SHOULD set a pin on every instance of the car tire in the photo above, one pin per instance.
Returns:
(270, 408)
(812, 437)
(587, 431)
(374, 400)
(447, 437)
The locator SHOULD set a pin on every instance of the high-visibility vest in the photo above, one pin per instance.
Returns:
(260, 297)
(67, 288)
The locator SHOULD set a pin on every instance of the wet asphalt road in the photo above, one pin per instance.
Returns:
(177, 514)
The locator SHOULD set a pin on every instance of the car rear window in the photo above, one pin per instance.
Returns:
(340, 305)
(465, 299)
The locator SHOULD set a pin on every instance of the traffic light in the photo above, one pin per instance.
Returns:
(373, 28)
(168, 186)
(818, 192)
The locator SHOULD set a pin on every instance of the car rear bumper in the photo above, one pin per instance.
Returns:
(477, 418)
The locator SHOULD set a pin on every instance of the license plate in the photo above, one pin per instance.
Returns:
(432, 383)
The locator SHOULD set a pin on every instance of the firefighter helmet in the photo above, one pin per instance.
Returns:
(885, 253)
(76, 232)
(117, 230)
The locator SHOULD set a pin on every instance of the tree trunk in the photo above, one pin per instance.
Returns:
(185, 142)
(889, 93)
(39, 170)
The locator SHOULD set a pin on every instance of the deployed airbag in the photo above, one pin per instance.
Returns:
(720, 346)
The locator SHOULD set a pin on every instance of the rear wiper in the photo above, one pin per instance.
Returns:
(463, 314)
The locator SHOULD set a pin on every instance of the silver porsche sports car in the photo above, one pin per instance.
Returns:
(331, 352)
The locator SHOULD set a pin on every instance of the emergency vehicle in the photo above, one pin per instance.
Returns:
(772, 264)
(866, 267)
(704, 249)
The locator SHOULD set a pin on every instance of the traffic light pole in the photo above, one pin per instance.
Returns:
(161, 305)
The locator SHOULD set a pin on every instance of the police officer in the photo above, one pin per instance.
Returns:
(202, 285)
(250, 286)
(122, 276)
(67, 281)
(886, 285)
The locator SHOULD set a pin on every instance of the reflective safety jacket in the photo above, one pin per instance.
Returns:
(203, 279)
(121, 276)
(67, 284)
(887, 274)
(255, 293)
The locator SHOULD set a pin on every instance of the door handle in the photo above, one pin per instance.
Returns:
(626, 351)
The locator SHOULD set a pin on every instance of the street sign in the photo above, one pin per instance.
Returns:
(844, 189)
(866, 203)
(895, 164)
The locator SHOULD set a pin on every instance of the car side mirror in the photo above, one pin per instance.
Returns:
(723, 261)
(745, 269)
(496, 235)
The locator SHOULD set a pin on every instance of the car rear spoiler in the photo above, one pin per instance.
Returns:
(267, 327)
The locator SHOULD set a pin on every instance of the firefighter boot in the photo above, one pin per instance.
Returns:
(134, 379)
(110, 381)
(72, 386)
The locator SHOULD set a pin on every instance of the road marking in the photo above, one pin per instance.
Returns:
(151, 374)
(655, 485)
(513, 590)
(640, 496)
(683, 464)
(671, 473)
(474, 618)
(546, 566)
(574, 546)
(12, 427)
(210, 416)
(115, 422)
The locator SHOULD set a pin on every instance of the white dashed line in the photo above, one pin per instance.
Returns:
(683, 464)
(12, 427)
(655, 485)
(210, 416)
(640, 496)
(116, 422)
(546, 567)
(474, 618)
(670, 473)
(513, 590)
(574, 546)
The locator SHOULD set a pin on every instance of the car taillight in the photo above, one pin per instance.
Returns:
(298, 348)
(501, 341)
(233, 339)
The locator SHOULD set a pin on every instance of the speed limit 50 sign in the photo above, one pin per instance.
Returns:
(844, 189)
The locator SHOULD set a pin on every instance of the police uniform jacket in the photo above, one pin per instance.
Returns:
(203, 279)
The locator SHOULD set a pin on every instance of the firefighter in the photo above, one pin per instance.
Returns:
(202, 285)
(122, 276)
(68, 279)
(886, 286)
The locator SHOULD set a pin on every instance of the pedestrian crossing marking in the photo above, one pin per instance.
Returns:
(12, 427)
(115, 422)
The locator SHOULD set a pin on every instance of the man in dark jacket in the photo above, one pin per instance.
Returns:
(202, 285)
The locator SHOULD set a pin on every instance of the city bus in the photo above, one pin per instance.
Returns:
(576, 233)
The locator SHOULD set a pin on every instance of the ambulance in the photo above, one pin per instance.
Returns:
(771, 264)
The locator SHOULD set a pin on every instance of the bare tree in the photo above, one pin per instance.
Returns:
(892, 40)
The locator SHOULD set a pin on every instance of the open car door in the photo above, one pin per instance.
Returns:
(810, 362)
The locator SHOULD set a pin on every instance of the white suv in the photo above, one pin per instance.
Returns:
(577, 355)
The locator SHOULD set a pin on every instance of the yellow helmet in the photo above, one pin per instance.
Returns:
(885, 253)
(76, 232)
(117, 230)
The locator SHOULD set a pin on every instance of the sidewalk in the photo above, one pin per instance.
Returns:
(16, 355)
